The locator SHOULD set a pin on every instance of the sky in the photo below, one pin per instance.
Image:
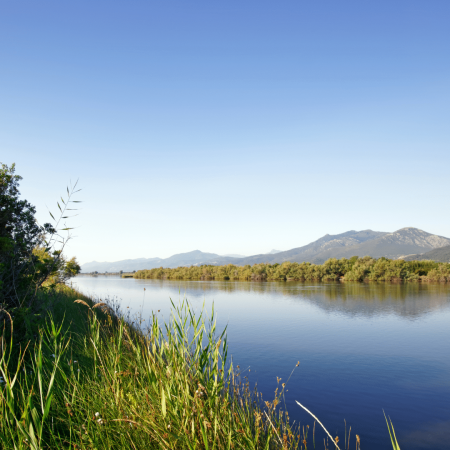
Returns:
(227, 127)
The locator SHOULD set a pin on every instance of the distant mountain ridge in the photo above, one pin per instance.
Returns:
(310, 251)
(128, 265)
(438, 254)
(399, 244)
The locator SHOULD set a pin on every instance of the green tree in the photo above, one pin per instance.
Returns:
(20, 234)
(57, 268)
(28, 256)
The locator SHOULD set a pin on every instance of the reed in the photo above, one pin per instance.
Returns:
(117, 386)
(97, 381)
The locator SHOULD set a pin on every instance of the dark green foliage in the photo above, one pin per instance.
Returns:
(353, 269)
(30, 263)
(20, 270)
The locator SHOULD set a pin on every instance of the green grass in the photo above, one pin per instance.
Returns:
(103, 384)
(90, 380)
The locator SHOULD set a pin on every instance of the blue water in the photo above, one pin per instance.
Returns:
(362, 348)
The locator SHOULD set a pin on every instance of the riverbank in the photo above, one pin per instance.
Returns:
(91, 380)
(353, 269)
(120, 274)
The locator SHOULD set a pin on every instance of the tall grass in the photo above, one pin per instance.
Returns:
(113, 386)
(95, 381)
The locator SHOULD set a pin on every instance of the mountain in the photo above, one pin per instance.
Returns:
(405, 241)
(188, 259)
(273, 251)
(309, 252)
(439, 254)
(400, 244)
(128, 265)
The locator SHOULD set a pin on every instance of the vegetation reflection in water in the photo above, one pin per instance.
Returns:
(353, 298)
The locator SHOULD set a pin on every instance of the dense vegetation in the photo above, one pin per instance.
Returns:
(31, 255)
(112, 386)
(353, 269)
(20, 235)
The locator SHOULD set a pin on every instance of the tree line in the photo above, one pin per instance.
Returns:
(353, 269)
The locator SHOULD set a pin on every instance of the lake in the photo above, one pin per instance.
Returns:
(363, 348)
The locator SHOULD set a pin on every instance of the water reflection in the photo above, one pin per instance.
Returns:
(411, 300)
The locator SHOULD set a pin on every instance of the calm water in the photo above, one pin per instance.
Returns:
(362, 348)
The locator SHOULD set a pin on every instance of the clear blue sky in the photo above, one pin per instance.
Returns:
(229, 127)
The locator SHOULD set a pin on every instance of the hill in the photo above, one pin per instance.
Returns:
(439, 254)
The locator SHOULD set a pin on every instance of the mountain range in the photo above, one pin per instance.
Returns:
(404, 243)
(128, 265)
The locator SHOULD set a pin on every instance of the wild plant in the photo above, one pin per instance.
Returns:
(117, 387)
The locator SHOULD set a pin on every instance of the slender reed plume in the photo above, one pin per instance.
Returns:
(335, 441)
(82, 302)
(100, 305)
